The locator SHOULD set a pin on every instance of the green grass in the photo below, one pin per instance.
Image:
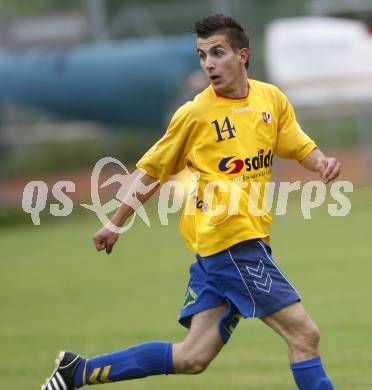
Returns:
(57, 292)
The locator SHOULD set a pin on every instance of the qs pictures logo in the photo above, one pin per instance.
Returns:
(232, 165)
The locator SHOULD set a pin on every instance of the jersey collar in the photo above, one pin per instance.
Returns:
(219, 95)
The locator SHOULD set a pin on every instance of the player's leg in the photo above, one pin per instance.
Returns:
(191, 356)
(202, 343)
(73, 371)
(298, 330)
(302, 337)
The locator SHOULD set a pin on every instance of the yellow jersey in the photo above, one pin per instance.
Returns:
(228, 144)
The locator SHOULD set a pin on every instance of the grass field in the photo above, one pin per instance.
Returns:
(57, 292)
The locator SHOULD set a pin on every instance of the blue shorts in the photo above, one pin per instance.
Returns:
(245, 277)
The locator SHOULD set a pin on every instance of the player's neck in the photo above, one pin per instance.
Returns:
(238, 91)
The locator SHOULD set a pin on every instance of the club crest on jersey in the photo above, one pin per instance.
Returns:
(266, 116)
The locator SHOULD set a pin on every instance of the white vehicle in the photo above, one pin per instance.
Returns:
(321, 63)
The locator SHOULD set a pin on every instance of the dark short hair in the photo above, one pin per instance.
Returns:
(221, 24)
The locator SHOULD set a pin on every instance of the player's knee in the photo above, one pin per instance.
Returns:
(312, 335)
(195, 366)
(306, 339)
(187, 362)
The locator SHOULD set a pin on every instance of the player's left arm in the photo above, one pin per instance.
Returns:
(328, 167)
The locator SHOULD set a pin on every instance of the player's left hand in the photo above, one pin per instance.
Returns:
(329, 169)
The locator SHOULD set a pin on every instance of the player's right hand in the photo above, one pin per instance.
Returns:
(105, 239)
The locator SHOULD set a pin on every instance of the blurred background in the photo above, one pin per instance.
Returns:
(82, 80)
(78, 74)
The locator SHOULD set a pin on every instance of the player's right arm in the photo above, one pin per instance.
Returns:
(167, 157)
(105, 238)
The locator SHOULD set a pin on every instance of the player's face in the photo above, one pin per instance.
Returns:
(223, 66)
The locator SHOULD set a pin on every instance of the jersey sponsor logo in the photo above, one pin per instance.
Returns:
(226, 127)
(225, 164)
(266, 116)
(261, 160)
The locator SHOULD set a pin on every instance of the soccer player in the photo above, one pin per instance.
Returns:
(227, 135)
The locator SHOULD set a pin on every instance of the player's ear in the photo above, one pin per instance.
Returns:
(244, 55)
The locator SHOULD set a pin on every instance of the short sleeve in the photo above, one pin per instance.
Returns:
(169, 155)
(292, 141)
